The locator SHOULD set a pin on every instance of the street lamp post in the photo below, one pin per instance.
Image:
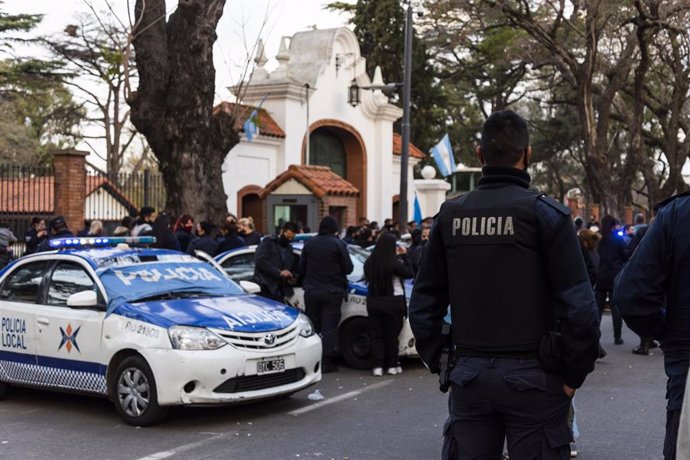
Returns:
(407, 90)
(406, 85)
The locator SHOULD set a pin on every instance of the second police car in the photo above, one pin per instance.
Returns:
(148, 328)
(354, 330)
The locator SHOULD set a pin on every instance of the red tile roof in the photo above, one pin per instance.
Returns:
(397, 147)
(320, 180)
(36, 195)
(267, 125)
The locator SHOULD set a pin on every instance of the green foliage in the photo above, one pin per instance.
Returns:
(37, 113)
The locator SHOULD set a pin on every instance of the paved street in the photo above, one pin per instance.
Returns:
(620, 414)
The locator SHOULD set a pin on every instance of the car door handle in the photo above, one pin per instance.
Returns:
(43, 321)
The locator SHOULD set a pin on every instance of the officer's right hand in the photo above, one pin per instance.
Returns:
(286, 274)
(569, 392)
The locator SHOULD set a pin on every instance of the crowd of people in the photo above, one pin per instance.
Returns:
(606, 247)
(181, 234)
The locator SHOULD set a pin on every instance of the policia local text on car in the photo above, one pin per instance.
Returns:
(507, 260)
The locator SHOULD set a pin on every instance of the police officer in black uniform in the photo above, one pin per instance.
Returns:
(508, 262)
(653, 296)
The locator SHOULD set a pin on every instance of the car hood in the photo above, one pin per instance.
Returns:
(243, 313)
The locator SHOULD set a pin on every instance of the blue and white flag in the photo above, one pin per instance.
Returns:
(443, 155)
(417, 210)
(250, 126)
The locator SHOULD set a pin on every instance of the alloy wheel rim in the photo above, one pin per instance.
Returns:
(133, 392)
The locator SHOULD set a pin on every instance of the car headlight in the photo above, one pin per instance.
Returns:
(194, 338)
(304, 324)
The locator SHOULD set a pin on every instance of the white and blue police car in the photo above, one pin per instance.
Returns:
(354, 330)
(148, 328)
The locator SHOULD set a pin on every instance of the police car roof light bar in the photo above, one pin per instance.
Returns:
(104, 241)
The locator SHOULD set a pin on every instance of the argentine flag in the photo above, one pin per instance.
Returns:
(443, 155)
(250, 126)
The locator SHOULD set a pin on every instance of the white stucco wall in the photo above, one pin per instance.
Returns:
(312, 62)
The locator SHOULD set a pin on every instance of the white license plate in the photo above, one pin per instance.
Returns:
(270, 366)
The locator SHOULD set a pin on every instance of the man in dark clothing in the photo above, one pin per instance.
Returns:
(646, 343)
(229, 238)
(275, 264)
(508, 262)
(653, 296)
(203, 241)
(58, 229)
(35, 235)
(144, 224)
(324, 266)
(85, 231)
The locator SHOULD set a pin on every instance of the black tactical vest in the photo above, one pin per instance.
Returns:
(499, 287)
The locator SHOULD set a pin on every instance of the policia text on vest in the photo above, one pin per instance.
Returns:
(495, 226)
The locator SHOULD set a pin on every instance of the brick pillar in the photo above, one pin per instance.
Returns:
(70, 186)
(628, 215)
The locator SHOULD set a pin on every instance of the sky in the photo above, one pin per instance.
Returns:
(243, 22)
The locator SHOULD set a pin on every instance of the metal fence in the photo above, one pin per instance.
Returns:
(27, 192)
(110, 197)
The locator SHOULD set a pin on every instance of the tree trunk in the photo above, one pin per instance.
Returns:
(173, 106)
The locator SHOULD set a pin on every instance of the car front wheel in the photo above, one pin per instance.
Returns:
(135, 395)
(3, 389)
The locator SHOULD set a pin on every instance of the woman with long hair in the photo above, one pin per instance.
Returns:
(384, 272)
(612, 257)
(165, 238)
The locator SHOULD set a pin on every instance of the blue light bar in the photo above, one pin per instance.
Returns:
(104, 241)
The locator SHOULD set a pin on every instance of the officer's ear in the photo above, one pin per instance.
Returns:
(526, 158)
(480, 156)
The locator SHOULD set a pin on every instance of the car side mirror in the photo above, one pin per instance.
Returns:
(250, 287)
(83, 299)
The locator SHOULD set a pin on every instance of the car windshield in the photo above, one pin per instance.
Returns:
(160, 281)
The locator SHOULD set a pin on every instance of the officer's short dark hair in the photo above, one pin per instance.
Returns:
(504, 138)
(207, 227)
(291, 226)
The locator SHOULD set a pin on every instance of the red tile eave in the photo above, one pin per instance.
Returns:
(267, 125)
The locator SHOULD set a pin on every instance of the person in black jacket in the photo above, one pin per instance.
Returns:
(324, 266)
(228, 238)
(35, 235)
(508, 262)
(653, 296)
(165, 238)
(612, 257)
(385, 271)
(275, 264)
(58, 229)
(184, 231)
(203, 241)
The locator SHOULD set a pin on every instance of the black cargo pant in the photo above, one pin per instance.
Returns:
(324, 310)
(493, 399)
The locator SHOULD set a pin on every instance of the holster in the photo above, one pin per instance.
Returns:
(551, 352)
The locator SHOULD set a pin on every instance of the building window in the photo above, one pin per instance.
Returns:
(325, 149)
